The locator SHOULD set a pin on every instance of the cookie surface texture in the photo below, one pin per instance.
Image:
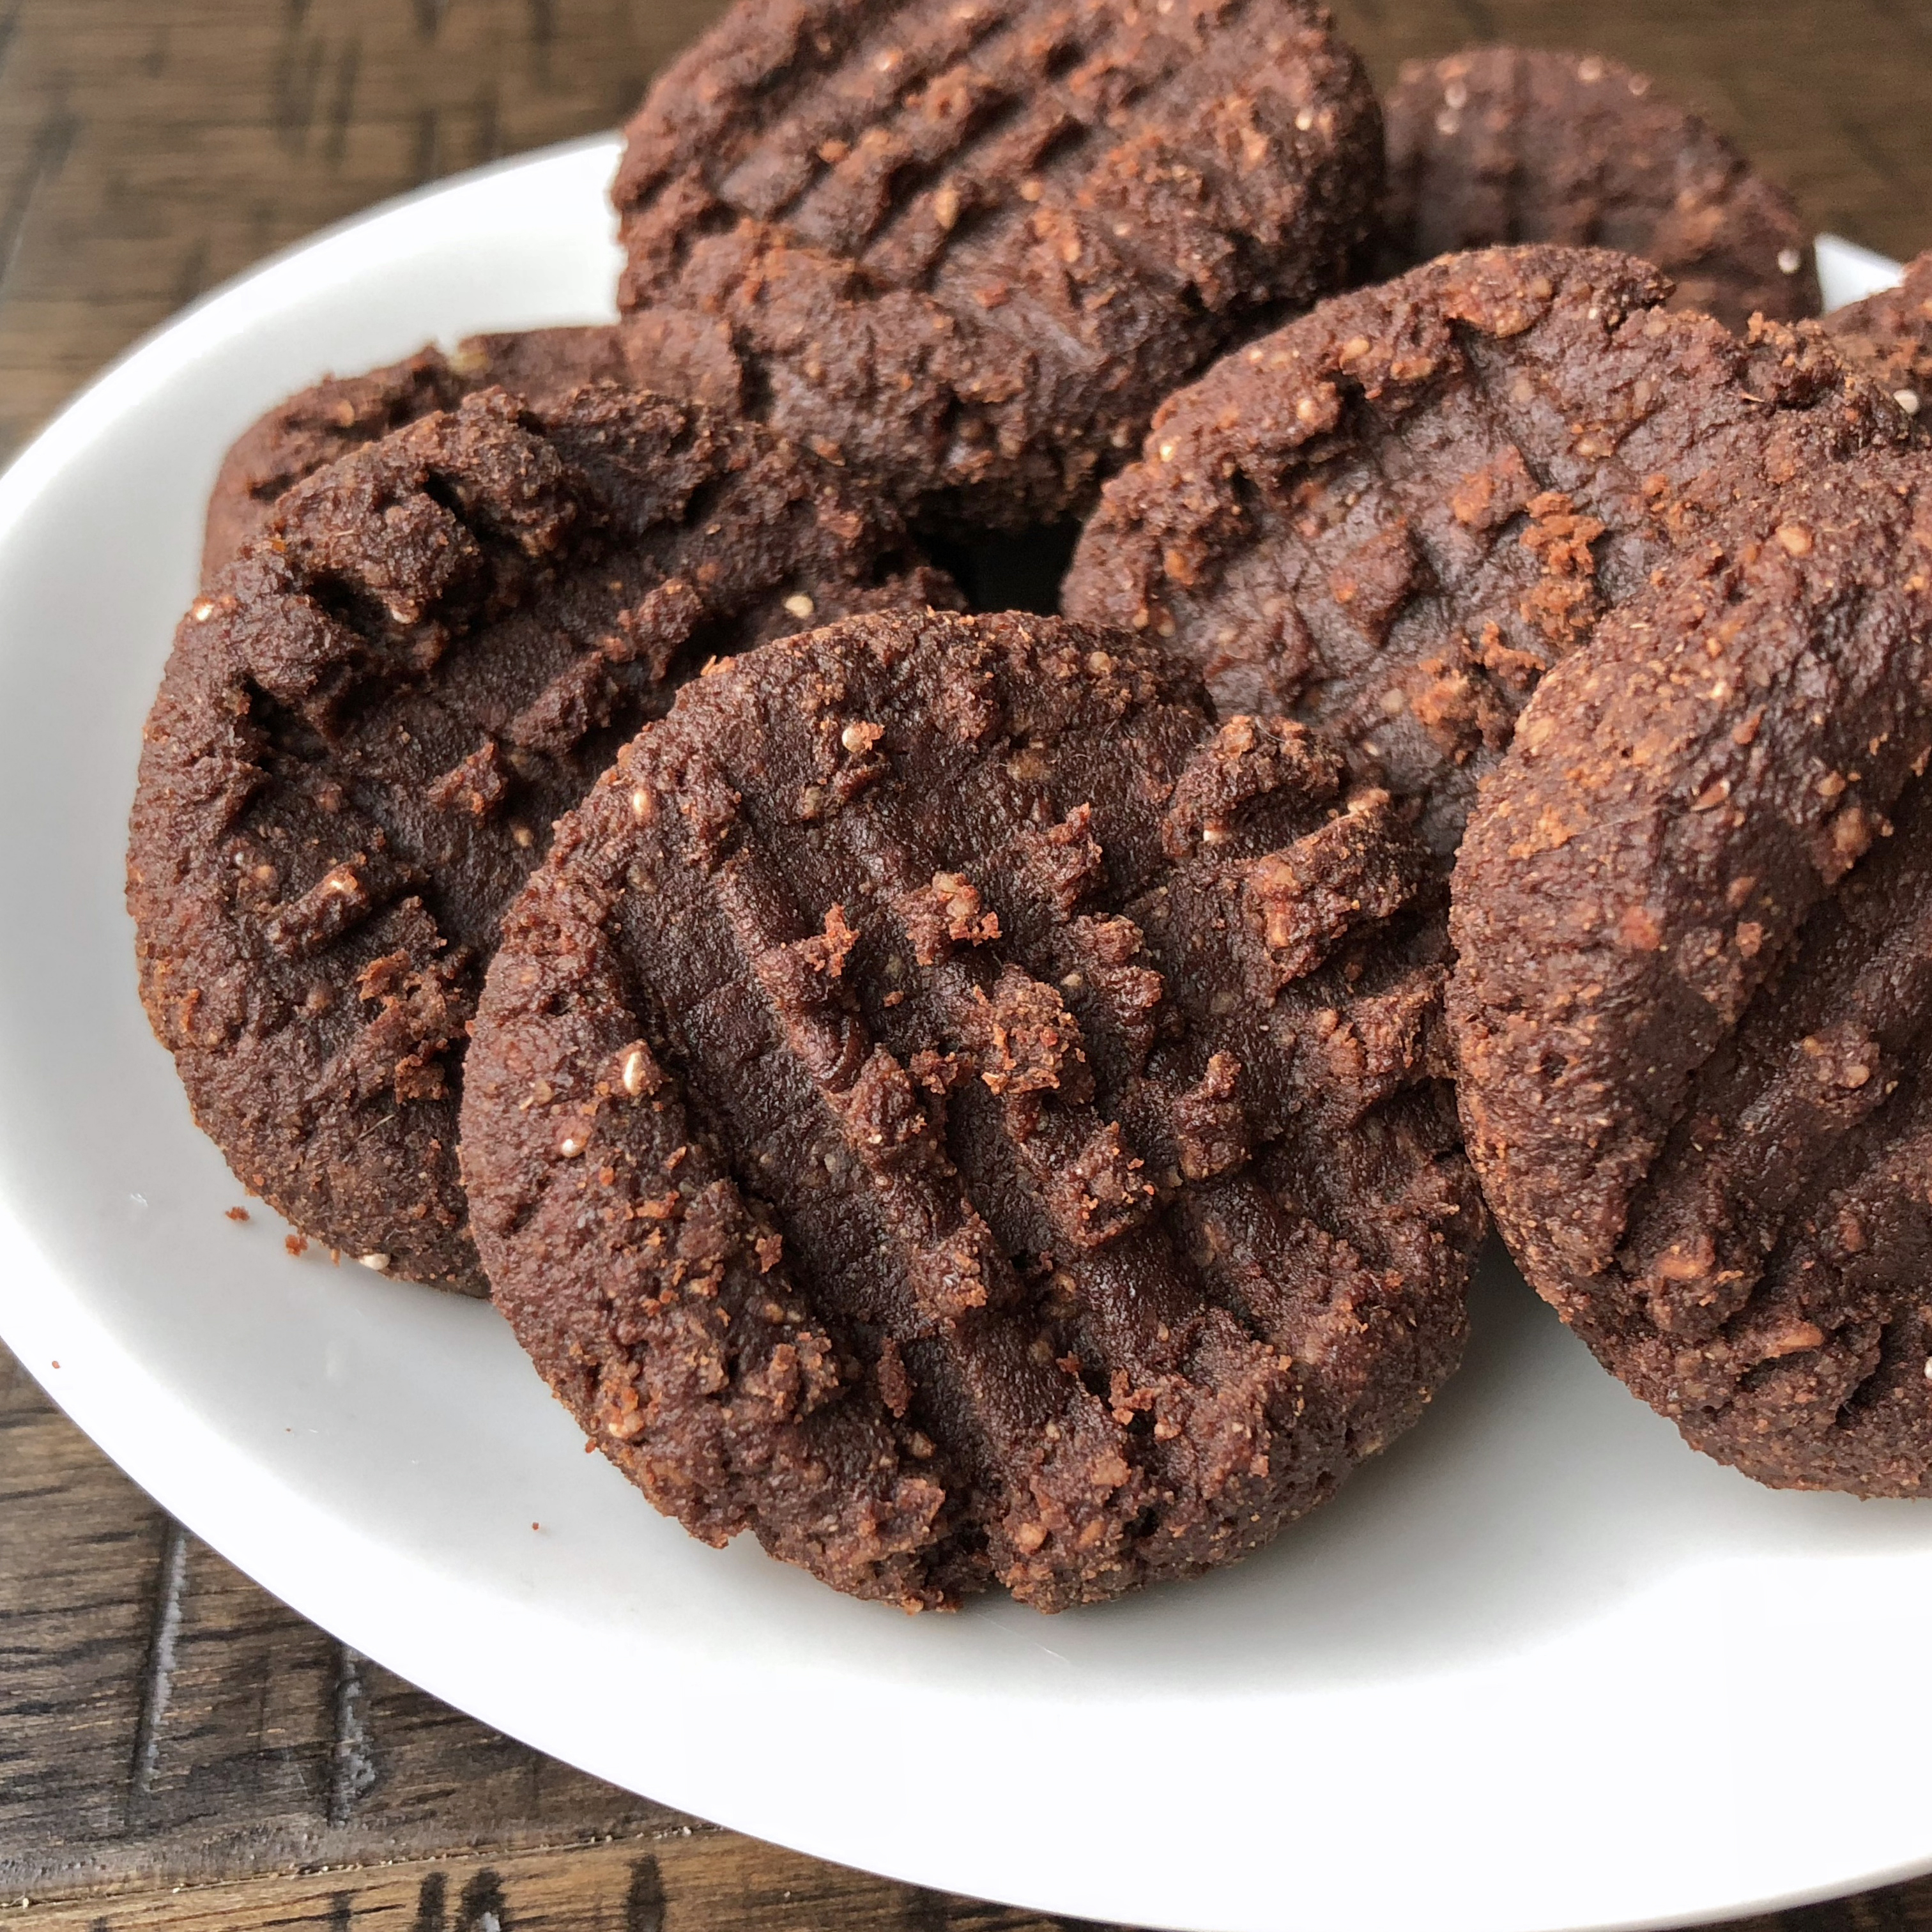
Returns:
(1889, 336)
(949, 1108)
(966, 247)
(1499, 145)
(318, 424)
(1695, 986)
(1391, 516)
(367, 726)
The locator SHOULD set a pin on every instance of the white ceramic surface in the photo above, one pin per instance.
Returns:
(1539, 1667)
(1846, 272)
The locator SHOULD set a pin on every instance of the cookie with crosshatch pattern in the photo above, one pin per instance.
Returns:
(1390, 517)
(370, 721)
(1694, 987)
(965, 246)
(949, 1107)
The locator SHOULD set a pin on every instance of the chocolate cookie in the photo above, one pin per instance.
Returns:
(1391, 516)
(1889, 336)
(947, 1107)
(341, 413)
(370, 720)
(1694, 993)
(965, 246)
(1505, 145)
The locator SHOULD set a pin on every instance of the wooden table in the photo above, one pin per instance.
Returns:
(177, 1748)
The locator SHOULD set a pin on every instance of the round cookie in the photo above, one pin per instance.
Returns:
(1889, 336)
(1694, 988)
(369, 722)
(1507, 145)
(1392, 516)
(966, 246)
(946, 1106)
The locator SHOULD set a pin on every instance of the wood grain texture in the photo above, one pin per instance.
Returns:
(177, 1749)
(667, 1883)
(163, 1721)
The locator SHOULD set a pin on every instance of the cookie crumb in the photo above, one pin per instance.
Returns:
(237, 1213)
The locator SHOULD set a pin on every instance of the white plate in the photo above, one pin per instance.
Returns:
(1540, 1667)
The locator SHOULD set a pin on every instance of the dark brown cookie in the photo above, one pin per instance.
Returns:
(1507, 145)
(947, 1107)
(965, 246)
(1889, 336)
(1694, 994)
(369, 722)
(316, 425)
(341, 413)
(1391, 516)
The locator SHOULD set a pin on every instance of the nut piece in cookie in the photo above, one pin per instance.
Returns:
(965, 248)
(1390, 517)
(950, 1108)
(370, 720)
(1499, 145)
(1694, 988)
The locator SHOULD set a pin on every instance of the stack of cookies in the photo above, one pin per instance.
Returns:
(973, 1095)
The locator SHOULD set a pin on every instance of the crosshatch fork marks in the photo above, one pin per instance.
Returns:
(976, 271)
(89, 298)
(938, 1242)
